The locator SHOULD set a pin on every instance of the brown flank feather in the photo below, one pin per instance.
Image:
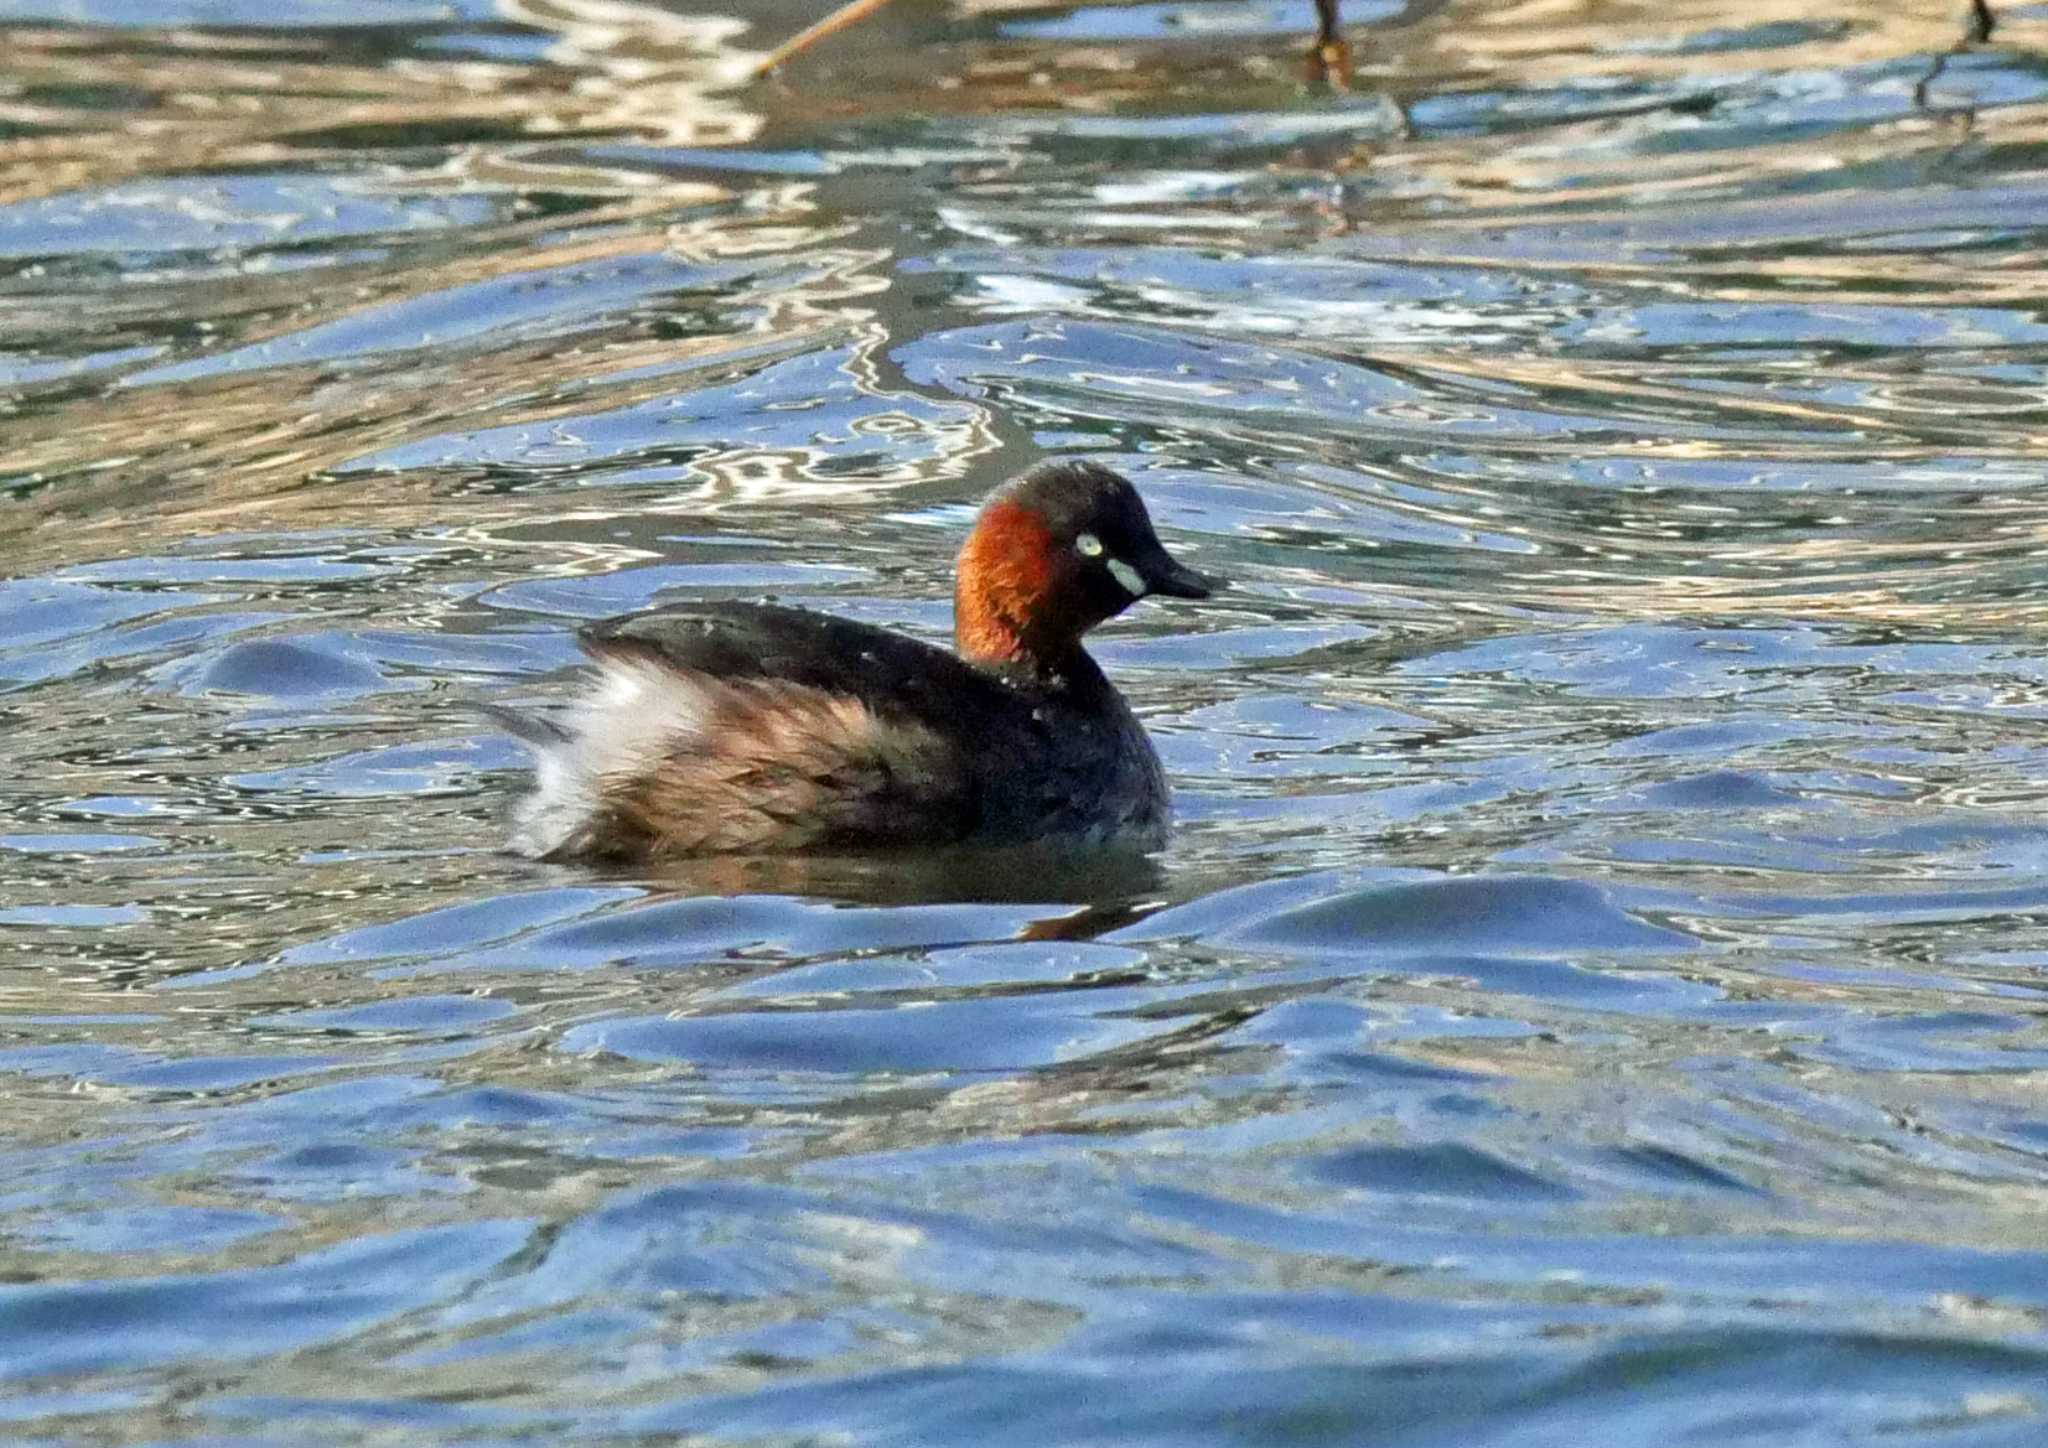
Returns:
(778, 766)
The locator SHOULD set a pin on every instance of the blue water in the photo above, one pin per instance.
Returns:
(1596, 992)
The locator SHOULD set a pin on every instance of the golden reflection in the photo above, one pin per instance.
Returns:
(1599, 193)
(249, 101)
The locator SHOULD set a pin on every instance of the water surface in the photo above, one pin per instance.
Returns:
(1594, 993)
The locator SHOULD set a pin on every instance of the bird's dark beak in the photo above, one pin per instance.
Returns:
(1166, 574)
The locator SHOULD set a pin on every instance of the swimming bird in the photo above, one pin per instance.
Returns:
(751, 728)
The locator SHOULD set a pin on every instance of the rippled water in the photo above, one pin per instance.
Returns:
(1594, 993)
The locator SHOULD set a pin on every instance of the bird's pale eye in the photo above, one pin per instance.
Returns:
(1088, 545)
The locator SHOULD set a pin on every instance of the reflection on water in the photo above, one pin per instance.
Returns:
(1593, 993)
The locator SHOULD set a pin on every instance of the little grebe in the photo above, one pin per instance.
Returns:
(738, 728)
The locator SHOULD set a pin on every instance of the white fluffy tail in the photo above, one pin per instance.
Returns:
(634, 714)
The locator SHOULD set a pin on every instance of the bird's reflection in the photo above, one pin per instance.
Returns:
(1107, 887)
